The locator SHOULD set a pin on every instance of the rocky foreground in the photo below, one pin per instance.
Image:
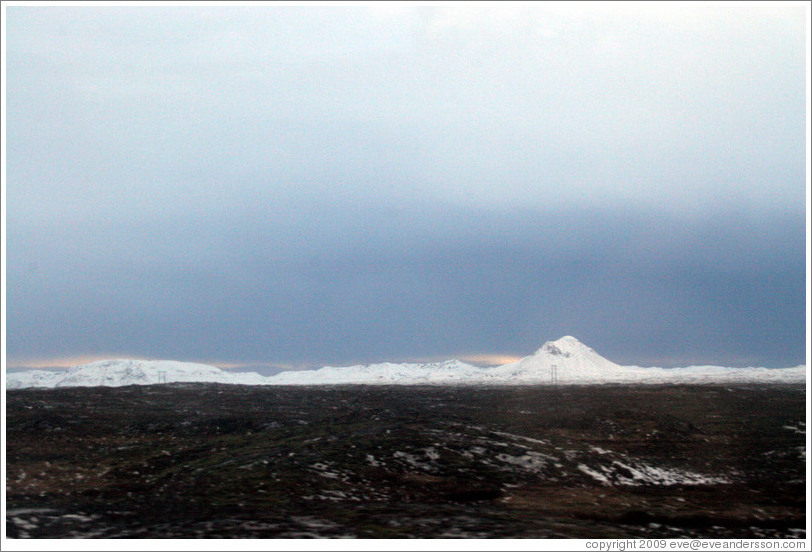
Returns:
(212, 460)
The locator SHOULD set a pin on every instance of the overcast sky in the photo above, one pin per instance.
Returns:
(310, 185)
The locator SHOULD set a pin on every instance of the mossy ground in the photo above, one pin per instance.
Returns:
(362, 461)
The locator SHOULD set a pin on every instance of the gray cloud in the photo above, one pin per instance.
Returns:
(343, 184)
(340, 284)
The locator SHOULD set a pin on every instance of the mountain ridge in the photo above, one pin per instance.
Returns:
(563, 361)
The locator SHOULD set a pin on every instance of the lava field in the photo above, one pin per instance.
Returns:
(209, 460)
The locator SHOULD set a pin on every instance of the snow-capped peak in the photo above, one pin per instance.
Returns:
(565, 346)
(565, 359)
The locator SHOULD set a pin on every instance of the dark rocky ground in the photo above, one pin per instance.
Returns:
(205, 460)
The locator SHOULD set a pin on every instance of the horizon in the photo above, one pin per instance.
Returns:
(300, 186)
(481, 361)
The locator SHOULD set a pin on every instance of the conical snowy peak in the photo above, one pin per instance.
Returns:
(565, 359)
(566, 346)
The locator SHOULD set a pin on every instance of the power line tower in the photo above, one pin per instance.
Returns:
(162, 377)
(554, 374)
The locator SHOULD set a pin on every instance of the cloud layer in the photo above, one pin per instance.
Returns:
(339, 184)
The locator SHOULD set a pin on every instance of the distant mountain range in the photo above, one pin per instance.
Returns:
(564, 361)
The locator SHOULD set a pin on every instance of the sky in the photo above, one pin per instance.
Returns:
(283, 186)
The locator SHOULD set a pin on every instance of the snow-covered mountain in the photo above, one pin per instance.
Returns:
(564, 361)
(116, 373)
(449, 371)
(32, 378)
(568, 361)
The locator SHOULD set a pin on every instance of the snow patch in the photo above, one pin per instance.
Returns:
(633, 475)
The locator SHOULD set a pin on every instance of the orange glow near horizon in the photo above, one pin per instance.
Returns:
(59, 362)
(491, 360)
(71, 361)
